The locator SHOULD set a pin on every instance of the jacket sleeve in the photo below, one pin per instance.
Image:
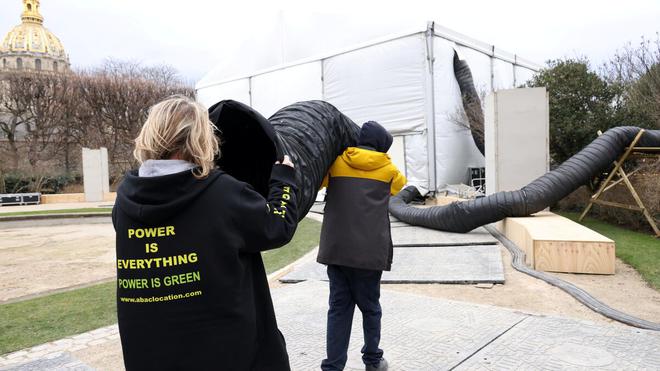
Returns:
(269, 223)
(398, 181)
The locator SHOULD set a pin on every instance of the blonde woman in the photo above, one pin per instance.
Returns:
(192, 290)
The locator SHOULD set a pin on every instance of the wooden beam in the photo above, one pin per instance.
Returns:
(617, 204)
(621, 179)
(617, 166)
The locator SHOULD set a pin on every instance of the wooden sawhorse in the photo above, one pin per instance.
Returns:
(609, 183)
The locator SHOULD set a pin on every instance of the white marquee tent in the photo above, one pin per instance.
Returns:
(405, 82)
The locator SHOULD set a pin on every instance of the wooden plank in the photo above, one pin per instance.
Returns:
(574, 257)
(614, 183)
(518, 234)
(617, 204)
(554, 243)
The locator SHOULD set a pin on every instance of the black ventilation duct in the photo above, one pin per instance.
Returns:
(471, 101)
(312, 133)
(545, 191)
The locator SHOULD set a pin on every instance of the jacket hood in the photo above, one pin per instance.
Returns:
(153, 199)
(364, 159)
(375, 136)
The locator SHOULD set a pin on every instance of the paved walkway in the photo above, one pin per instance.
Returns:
(57, 355)
(419, 333)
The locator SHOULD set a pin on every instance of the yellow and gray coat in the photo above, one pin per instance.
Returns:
(356, 225)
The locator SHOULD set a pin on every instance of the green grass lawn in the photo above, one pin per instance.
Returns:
(640, 250)
(40, 320)
(306, 238)
(101, 210)
(36, 321)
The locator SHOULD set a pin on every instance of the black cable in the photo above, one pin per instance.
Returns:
(518, 263)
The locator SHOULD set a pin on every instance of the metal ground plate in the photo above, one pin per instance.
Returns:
(420, 236)
(437, 264)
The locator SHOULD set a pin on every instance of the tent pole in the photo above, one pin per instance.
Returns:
(430, 109)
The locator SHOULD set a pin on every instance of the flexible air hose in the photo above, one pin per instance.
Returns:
(471, 101)
(543, 192)
(518, 263)
(312, 133)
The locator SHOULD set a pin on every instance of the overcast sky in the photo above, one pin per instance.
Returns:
(195, 36)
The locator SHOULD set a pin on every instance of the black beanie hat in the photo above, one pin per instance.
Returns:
(375, 136)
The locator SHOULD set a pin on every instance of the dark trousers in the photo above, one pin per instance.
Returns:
(348, 287)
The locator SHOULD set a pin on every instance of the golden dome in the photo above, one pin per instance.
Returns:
(31, 42)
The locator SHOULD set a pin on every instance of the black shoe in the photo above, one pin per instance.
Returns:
(381, 366)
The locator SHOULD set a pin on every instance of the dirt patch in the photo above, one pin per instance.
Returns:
(625, 291)
(40, 259)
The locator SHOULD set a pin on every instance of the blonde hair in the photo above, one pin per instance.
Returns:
(179, 126)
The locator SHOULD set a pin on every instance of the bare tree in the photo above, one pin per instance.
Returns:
(635, 71)
(13, 112)
(47, 116)
(115, 100)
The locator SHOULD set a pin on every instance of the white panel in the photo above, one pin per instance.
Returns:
(274, 90)
(480, 67)
(455, 149)
(417, 166)
(238, 90)
(503, 75)
(397, 154)
(383, 82)
(523, 75)
(95, 173)
(516, 138)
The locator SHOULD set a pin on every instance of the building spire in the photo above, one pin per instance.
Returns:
(31, 12)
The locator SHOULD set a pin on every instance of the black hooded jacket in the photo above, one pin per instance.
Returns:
(192, 291)
(356, 225)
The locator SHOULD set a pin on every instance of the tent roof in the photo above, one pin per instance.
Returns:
(212, 79)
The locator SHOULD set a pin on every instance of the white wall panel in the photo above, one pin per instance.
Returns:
(523, 75)
(503, 75)
(383, 82)
(479, 66)
(455, 149)
(417, 165)
(238, 90)
(274, 90)
(397, 153)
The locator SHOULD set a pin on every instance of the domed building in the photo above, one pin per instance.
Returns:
(30, 46)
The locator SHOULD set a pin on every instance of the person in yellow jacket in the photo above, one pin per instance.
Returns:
(356, 244)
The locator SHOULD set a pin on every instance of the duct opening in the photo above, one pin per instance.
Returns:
(248, 144)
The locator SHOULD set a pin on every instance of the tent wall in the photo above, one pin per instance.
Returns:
(384, 83)
(397, 153)
(380, 83)
(274, 90)
(480, 65)
(502, 75)
(523, 75)
(417, 164)
(238, 90)
(455, 148)
(406, 83)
